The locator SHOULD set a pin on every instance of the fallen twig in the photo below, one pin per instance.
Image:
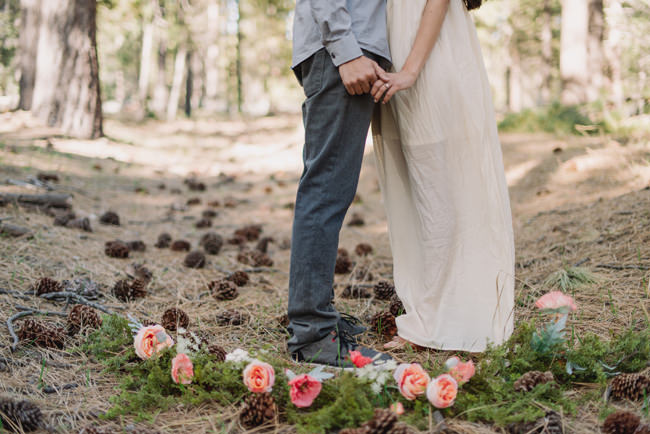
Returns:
(77, 298)
(623, 267)
(14, 293)
(10, 323)
(54, 200)
(55, 389)
(13, 230)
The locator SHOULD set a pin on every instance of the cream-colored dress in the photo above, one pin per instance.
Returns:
(443, 183)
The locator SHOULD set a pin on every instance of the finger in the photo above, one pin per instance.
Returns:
(381, 73)
(390, 93)
(376, 88)
(357, 89)
(383, 90)
(348, 88)
(365, 85)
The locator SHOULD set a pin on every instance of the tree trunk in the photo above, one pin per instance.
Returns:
(189, 85)
(573, 51)
(145, 62)
(547, 53)
(240, 95)
(177, 82)
(595, 48)
(28, 42)
(615, 18)
(66, 89)
(213, 83)
(160, 92)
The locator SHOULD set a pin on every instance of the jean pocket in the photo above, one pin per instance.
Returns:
(312, 73)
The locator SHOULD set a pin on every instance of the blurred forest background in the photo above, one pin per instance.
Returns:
(553, 64)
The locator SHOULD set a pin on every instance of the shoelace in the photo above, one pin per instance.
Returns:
(350, 319)
(345, 338)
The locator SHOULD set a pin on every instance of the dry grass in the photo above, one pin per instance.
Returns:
(559, 222)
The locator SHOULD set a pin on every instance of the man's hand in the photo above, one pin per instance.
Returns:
(359, 75)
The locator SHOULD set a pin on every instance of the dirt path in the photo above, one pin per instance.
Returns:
(573, 200)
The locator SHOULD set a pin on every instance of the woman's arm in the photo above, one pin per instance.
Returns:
(430, 25)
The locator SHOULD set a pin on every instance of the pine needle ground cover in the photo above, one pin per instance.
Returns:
(567, 239)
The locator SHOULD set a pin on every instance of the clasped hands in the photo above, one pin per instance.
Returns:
(363, 75)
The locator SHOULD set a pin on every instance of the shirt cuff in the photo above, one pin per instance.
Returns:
(343, 50)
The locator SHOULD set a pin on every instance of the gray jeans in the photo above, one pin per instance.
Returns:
(336, 127)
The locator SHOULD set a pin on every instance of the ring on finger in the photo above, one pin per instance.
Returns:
(387, 85)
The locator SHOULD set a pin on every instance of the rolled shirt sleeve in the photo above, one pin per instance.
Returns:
(335, 26)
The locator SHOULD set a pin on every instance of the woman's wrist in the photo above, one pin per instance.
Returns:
(412, 73)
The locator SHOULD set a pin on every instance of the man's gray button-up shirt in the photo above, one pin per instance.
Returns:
(343, 27)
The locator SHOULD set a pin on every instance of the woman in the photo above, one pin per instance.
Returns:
(442, 177)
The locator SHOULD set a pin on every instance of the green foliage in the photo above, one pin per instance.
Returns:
(555, 118)
(343, 402)
(570, 278)
(111, 344)
(550, 338)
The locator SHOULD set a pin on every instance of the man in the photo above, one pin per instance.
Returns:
(338, 46)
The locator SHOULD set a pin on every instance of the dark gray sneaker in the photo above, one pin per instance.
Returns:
(333, 350)
(351, 325)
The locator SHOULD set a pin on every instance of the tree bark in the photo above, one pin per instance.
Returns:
(145, 62)
(573, 51)
(595, 48)
(189, 84)
(28, 43)
(177, 82)
(66, 90)
(547, 53)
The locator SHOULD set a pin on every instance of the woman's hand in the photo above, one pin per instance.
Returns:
(390, 83)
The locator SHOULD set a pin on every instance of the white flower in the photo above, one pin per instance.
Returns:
(377, 374)
(238, 356)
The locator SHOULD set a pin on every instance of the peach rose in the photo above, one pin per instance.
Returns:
(461, 371)
(359, 360)
(441, 391)
(259, 377)
(411, 380)
(556, 300)
(182, 369)
(304, 390)
(151, 339)
(397, 408)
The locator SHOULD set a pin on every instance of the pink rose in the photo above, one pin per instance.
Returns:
(304, 389)
(411, 380)
(461, 371)
(359, 360)
(397, 408)
(182, 369)
(259, 377)
(150, 340)
(556, 300)
(441, 391)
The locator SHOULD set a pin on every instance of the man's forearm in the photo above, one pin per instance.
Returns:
(335, 25)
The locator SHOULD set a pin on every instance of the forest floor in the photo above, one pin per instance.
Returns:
(575, 200)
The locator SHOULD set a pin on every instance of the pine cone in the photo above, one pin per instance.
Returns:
(218, 352)
(193, 201)
(63, 219)
(174, 318)
(194, 185)
(250, 232)
(126, 291)
(80, 317)
(214, 203)
(258, 409)
(363, 249)
(384, 290)
(232, 317)
(630, 386)
(110, 218)
(204, 223)
(20, 415)
(92, 429)
(255, 258)
(263, 244)
(396, 306)
(237, 240)
(209, 214)
(363, 273)
(356, 220)
(141, 272)
(529, 380)
(41, 334)
(181, 245)
(383, 323)
(46, 285)
(223, 290)
(47, 177)
(343, 264)
(383, 422)
(211, 243)
(643, 429)
(164, 240)
(116, 249)
(239, 278)
(621, 422)
(136, 246)
(195, 259)
(230, 202)
(355, 291)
